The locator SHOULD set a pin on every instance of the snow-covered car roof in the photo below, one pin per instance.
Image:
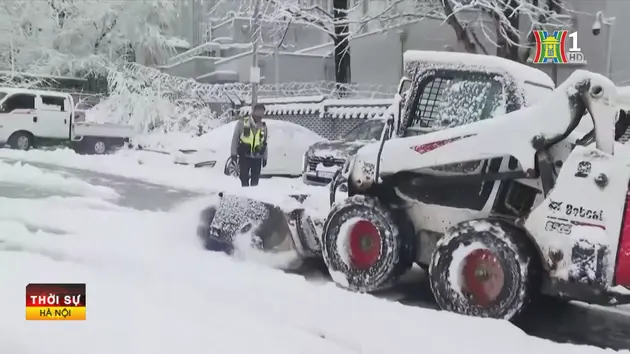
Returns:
(220, 138)
(520, 72)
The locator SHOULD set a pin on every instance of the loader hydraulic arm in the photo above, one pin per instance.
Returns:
(604, 101)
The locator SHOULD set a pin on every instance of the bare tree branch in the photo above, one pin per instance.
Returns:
(460, 32)
(478, 42)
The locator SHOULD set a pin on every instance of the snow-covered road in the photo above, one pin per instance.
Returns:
(152, 289)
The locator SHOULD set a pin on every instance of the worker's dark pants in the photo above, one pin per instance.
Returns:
(249, 170)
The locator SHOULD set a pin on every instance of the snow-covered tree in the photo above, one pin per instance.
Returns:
(153, 101)
(79, 37)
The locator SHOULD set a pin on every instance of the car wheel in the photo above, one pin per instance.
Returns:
(91, 146)
(21, 141)
(231, 167)
(99, 147)
(484, 268)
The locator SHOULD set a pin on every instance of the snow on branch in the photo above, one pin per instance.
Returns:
(506, 25)
(13, 79)
(82, 37)
(152, 100)
(479, 25)
(551, 14)
(274, 16)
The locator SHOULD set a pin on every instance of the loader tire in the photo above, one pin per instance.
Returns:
(362, 245)
(484, 268)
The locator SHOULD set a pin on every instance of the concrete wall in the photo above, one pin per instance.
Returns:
(299, 36)
(191, 67)
(292, 67)
(376, 57)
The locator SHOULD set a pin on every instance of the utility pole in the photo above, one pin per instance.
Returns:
(254, 73)
(609, 22)
(12, 55)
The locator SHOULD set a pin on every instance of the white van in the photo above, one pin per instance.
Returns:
(32, 118)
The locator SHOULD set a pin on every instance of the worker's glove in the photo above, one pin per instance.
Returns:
(264, 162)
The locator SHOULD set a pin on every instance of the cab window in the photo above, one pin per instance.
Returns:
(18, 101)
(366, 131)
(375, 130)
(446, 102)
(356, 133)
(53, 103)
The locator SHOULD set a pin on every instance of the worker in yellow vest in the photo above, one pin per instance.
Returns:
(249, 146)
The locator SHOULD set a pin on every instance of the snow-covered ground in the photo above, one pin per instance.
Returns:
(152, 289)
(146, 166)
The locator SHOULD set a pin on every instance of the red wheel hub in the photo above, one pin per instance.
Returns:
(365, 244)
(482, 276)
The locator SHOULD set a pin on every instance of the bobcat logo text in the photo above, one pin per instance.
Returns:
(584, 213)
(576, 211)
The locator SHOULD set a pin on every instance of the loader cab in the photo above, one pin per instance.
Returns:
(441, 99)
(445, 98)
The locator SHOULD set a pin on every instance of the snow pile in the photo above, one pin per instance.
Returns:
(245, 249)
(18, 174)
(130, 164)
(148, 278)
(163, 142)
(158, 169)
(285, 136)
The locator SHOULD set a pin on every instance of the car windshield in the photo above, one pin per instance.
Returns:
(366, 131)
(2, 95)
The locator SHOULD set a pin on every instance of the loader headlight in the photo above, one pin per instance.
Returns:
(345, 170)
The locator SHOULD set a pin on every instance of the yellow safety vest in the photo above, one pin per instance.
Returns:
(255, 141)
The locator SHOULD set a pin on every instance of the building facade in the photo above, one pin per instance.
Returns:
(221, 51)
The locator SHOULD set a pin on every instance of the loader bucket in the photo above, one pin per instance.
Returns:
(270, 228)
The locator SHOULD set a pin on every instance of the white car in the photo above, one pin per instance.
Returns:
(287, 144)
(36, 118)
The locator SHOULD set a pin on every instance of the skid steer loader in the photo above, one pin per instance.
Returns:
(499, 211)
(457, 88)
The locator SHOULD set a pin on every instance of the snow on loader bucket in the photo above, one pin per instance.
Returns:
(281, 227)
